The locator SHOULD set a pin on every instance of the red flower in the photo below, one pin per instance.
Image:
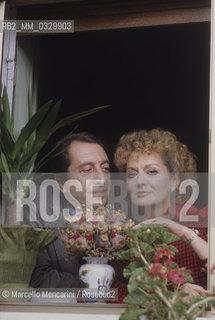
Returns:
(170, 260)
(89, 238)
(163, 255)
(157, 270)
(76, 236)
(113, 234)
(175, 276)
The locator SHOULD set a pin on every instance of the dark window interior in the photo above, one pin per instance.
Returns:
(151, 77)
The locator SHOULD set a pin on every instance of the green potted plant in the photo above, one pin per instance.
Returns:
(155, 280)
(20, 244)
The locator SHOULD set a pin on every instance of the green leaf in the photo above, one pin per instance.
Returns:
(173, 249)
(170, 237)
(133, 283)
(42, 135)
(131, 267)
(136, 298)
(5, 165)
(151, 237)
(7, 141)
(179, 307)
(131, 313)
(30, 142)
(153, 283)
(196, 299)
(135, 233)
(32, 154)
(127, 254)
(71, 119)
(6, 112)
(188, 277)
(31, 125)
(146, 248)
(45, 129)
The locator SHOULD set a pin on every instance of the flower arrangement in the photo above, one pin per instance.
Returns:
(155, 280)
(100, 233)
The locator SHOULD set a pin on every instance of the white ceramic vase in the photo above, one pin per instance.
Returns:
(96, 275)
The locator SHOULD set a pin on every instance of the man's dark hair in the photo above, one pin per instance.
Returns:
(61, 161)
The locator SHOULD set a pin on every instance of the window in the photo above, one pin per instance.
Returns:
(155, 59)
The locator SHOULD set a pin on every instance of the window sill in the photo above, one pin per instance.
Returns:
(76, 311)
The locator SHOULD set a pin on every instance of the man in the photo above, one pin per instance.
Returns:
(83, 158)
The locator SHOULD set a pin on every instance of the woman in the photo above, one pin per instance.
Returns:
(156, 164)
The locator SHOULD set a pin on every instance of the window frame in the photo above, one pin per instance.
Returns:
(140, 19)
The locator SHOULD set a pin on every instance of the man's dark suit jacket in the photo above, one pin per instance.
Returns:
(53, 267)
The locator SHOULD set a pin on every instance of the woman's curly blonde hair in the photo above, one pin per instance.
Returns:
(175, 155)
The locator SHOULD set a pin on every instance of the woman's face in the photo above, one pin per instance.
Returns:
(148, 182)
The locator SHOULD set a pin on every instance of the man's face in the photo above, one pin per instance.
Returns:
(89, 164)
